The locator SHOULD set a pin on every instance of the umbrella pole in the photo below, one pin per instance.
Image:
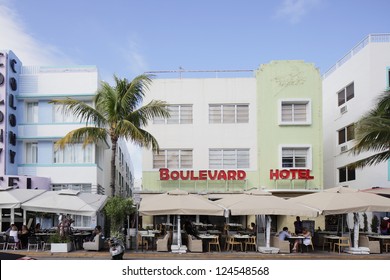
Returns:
(356, 230)
(268, 231)
(178, 232)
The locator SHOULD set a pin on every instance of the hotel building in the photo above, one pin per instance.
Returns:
(30, 125)
(350, 89)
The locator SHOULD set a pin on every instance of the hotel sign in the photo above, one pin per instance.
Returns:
(227, 175)
(301, 174)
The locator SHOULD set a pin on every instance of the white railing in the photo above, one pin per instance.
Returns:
(183, 73)
(372, 38)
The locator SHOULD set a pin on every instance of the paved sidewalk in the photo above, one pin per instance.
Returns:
(153, 255)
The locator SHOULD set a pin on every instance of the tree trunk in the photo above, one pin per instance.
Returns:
(113, 155)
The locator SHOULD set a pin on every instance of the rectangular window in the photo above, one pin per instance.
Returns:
(31, 153)
(179, 114)
(346, 134)
(74, 153)
(346, 94)
(295, 157)
(173, 158)
(228, 158)
(32, 112)
(228, 113)
(81, 221)
(295, 112)
(346, 174)
(60, 116)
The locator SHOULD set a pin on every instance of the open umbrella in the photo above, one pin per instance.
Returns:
(257, 202)
(342, 200)
(179, 202)
(13, 198)
(66, 201)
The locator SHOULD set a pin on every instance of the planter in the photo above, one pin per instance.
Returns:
(61, 247)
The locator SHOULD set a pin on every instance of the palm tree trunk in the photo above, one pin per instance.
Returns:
(113, 155)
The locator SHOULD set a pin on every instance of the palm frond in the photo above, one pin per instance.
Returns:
(372, 160)
(85, 135)
(144, 114)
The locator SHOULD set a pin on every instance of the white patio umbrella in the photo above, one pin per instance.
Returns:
(66, 201)
(13, 198)
(257, 202)
(179, 202)
(342, 200)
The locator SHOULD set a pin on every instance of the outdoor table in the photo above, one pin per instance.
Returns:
(150, 236)
(241, 238)
(206, 238)
(381, 238)
(79, 238)
(332, 239)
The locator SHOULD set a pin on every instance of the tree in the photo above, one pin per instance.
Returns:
(117, 113)
(372, 134)
(116, 209)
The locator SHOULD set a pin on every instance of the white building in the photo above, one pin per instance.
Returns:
(350, 88)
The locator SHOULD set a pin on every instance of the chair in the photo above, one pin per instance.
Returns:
(3, 243)
(162, 243)
(374, 246)
(32, 241)
(12, 243)
(142, 242)
(309, 243)
(215, 242)
(343, 241)
(387, 246)
(251, 242)
(230, 242)
(283, 245)
(96, 245)
(194, 245)
(327, 242)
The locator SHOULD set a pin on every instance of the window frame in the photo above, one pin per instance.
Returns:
(293, 102)
(32, 112)
(180, 115)
(345, 94)
(29, 152)
(224, 158)
(223, 111)
(165, 157)
(346, 135)
(309, 156)
(349, 172)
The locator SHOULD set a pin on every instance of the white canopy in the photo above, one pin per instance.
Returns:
(13, 198)
(68, 202)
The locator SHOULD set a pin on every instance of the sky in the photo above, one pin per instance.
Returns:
(128, 37)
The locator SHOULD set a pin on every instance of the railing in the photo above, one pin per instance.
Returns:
(372, 38)
(203, 73)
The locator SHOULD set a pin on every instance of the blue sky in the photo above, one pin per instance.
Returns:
(127, 37)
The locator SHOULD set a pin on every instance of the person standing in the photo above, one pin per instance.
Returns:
(298, 225)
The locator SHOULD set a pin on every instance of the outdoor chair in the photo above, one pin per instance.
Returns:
(387, 247)
(251, 243)
(12, 243)
(215, 242)
(327, 242)
(283, 245)
(162, 243)
(343, 241)
(33, 242)
(374, 246)
(230, 243)
(142, 242)
(2, 242)
(194, 245)
(309, 245)
(95, 245)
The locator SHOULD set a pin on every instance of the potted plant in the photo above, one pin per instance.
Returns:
(60, 241)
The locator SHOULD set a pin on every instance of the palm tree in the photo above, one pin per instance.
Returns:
(372, 134)
(117, 113)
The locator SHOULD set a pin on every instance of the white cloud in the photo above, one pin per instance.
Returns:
(14, 36)
(294, 10)
(133, 57)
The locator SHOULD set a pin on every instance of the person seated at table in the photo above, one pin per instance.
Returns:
(37, 228)
(286, 235)
(24, 234)
(385, 225)
(14, 232)
(97, 242)
(253, 227)
(307, 235)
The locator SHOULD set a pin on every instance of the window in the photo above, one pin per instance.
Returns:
(32, 112)
(179, 114)
(59, 115)
(346, 94)
(228, 113)
(295, 112)
(176, 159)
(228, 158)
(346, 174)
(388, 77)
(81, 221)
(74, 153)
(295, 157)
(31, 153)
(346, 134)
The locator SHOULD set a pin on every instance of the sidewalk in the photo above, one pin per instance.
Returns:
(153, 255)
